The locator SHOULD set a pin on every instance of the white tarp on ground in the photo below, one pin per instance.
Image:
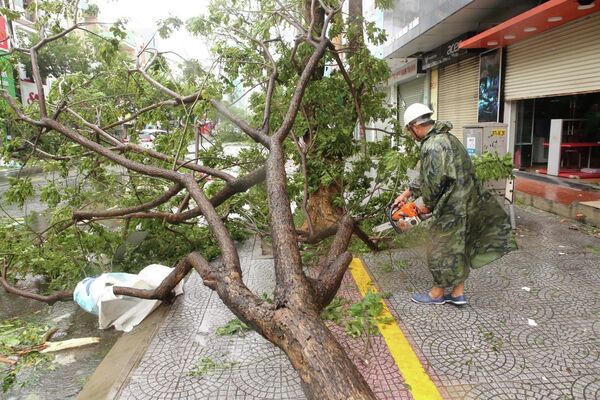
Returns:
(95, 295)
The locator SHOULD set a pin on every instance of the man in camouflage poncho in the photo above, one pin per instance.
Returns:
(469, 228)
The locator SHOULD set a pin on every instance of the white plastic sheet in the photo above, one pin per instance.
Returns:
(96, 296)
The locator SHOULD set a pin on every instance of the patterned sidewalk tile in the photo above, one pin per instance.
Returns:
(531, 329)
(244, 367)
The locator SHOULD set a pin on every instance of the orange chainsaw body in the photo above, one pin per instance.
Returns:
(407, 210)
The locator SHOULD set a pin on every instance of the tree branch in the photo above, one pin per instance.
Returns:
(152, 153)
(217, 226)
(256, 135)
(52, 38)
(269, 96)
(64, 295)
(380, 130)
(231, 188)
(290, 116)
(338, 259)
(239, 185)
(15, 107)
(234, 293)
(125, 162)
(82, 215)
(164, 291)
(365, 238)
(303, 163)
(355, 96)
(46, 155)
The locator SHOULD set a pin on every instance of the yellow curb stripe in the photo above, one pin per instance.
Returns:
(411, 369)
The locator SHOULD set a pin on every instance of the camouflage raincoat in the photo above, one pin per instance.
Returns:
(469, 228)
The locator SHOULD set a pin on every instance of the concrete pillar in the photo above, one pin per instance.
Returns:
(555, 143)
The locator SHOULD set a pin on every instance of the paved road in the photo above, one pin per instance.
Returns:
(39, 180)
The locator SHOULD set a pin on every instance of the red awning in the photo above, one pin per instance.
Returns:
(546, 16)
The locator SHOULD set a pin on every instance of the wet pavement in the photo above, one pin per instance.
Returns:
(67, 372)
(556, 193)
(531, 330)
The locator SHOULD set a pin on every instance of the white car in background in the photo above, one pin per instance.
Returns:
(147, 140)
(152, 130)
(148, 134)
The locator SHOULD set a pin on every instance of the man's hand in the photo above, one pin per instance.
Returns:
(402, 199)
(423, 209)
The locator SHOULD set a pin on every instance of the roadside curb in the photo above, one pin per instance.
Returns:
(112, 374)
(405, 357)
(24, 172)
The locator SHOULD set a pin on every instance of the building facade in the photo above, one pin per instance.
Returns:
(532, 65)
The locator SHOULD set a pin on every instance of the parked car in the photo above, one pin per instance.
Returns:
(153, 130)
(147, 140)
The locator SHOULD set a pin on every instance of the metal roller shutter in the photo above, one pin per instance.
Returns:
(564, 60)
(457, 94)
(409, 93)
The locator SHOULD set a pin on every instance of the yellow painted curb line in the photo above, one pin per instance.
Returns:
(411, 369)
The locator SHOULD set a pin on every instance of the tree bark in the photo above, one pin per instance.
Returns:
(321, 210)
(324, 368)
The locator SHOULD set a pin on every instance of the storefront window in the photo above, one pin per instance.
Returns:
(581, 115)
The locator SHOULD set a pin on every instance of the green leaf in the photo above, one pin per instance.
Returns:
(19, 191)
(235, 326)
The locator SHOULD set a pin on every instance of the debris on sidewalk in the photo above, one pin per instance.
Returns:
(8, 360)
(50, 347)
(527, 289)
(95, 295)
(531, 322)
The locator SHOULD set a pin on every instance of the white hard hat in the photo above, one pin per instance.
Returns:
(414, 111)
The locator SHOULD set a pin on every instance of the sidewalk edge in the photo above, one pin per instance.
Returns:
(416, 378)
(113, 372)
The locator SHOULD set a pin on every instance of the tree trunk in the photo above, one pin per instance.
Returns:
(355, 18)
(320, 209)
(324, 368)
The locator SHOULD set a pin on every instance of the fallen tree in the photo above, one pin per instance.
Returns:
(68, 125)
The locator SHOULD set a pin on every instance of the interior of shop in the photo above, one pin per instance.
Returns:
(580, 147)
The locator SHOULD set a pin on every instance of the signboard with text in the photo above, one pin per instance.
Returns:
(448, 52)
(29, 93)
(405, 72)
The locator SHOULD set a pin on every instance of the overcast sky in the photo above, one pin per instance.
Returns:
(143, 15)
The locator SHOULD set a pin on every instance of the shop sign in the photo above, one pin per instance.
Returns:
(405, 72)
(498, 132)
(4, 38)
(433, 91)
(447, 52)
(29, 93)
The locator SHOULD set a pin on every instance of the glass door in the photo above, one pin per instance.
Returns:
(524, 136)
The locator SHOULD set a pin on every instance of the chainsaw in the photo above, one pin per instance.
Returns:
(402, 218)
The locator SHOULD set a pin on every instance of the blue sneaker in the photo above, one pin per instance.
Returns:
(425, 298)
(457, 301)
